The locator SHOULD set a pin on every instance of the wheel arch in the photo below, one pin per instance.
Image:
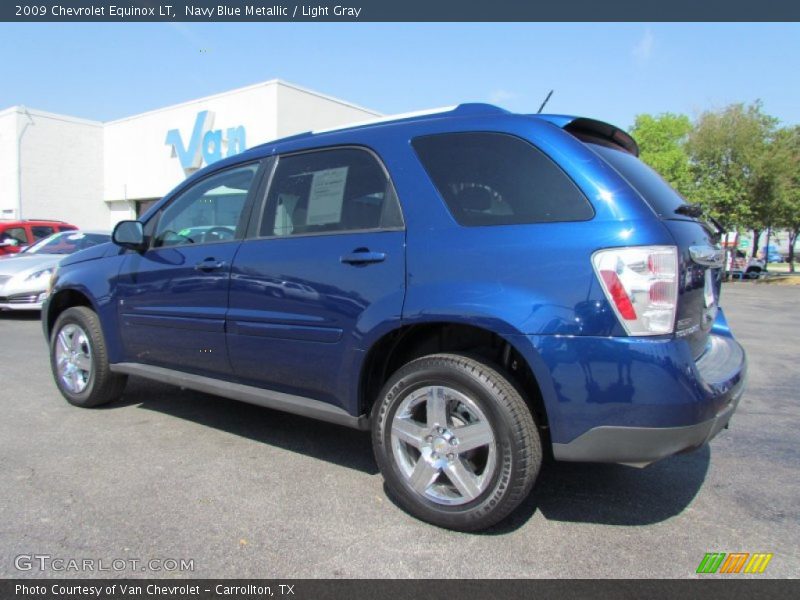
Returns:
(407, 342)
(63, 299)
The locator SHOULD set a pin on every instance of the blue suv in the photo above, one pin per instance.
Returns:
(477, 288)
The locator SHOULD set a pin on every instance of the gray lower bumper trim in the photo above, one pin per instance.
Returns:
(640, 446)
(299, 405)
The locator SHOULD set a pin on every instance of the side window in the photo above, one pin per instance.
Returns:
(329, 190)
(499, 179)
(40, 232)
(207, 212)
(15, 235)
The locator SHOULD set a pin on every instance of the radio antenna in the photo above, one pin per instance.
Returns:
(541, 108)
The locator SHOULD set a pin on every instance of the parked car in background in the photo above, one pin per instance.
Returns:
(17, 235)
(477, 288)
(24, 277)
(740, 265)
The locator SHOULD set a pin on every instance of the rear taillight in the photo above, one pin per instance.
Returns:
(641, 283)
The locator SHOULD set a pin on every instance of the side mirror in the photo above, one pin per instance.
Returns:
(129, 234)
(8, 243)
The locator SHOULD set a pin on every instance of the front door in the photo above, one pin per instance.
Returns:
(326, 265)
(173, 297)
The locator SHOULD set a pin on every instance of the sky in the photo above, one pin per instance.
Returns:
(611, 72)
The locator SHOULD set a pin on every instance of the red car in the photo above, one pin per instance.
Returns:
(16, 235)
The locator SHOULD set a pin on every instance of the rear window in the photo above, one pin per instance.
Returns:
(661, 197)
(498, 179)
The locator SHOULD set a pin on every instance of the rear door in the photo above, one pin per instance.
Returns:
(327, 264)
(173, 297)
(700, 257)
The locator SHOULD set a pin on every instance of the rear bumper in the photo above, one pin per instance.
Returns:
(640, 446)
(635, 400)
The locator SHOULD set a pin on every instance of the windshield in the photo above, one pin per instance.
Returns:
(67, 242)
(661, 197)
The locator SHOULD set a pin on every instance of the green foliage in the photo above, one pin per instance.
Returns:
(735, 162)
(662, 144)
(733, 166)
(786, 159)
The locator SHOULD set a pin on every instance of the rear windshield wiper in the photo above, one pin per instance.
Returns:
(696, 211)
(690, 210)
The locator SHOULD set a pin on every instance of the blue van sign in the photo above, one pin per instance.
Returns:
(206, 144)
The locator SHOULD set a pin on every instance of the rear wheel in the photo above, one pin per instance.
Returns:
(79, 360)
(455, 442)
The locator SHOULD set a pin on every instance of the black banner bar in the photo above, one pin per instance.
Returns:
(730, 588)
(400, 10)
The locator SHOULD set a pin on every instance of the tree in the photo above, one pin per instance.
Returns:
(786, 155)
(733, 168)
(662, 145)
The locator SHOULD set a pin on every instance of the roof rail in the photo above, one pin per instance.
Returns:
(44, 220)
(473, 108)
(456, 110)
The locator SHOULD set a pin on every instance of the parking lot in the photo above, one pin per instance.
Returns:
(247, 492)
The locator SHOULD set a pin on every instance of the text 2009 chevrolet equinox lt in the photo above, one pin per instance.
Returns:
(474, 286)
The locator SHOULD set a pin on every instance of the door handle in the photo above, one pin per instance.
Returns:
(209, 264)
(362, 256)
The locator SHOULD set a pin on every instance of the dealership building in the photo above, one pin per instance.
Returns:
(94, 174)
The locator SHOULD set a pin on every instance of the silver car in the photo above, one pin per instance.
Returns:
(24, 277)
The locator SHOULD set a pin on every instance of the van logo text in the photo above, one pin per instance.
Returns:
(206, 145)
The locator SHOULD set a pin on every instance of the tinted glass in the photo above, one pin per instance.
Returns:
(15, 235)
(68, 242)
(329, 191)
(207, 212)
(499, 179)
(40, 231)
(656, 192)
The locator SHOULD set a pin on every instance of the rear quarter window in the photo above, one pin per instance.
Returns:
(499, 179)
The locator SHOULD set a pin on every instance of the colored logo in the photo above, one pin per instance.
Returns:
(735, 562)
(206, 145)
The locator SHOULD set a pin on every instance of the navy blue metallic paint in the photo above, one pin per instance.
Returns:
(164, 296)
(288, 315)
(294, 303)
(589, 381)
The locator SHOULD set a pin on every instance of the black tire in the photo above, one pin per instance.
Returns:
(101, 385)
(517, 444)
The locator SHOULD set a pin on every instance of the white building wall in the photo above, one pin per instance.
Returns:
(303, 110)
(62, 173)
(8, 163)
(140, 164)
(91, 174)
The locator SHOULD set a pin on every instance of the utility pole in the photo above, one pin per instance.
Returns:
(19, 160)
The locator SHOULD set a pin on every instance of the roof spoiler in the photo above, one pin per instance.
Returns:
(584, 128)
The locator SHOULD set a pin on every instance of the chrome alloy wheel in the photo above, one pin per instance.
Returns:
(443, 445)
(73, 358)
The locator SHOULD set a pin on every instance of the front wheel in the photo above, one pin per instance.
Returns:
(455, 442)
(79, 360)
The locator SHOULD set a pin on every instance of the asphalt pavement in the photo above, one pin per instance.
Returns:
(235, 490)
